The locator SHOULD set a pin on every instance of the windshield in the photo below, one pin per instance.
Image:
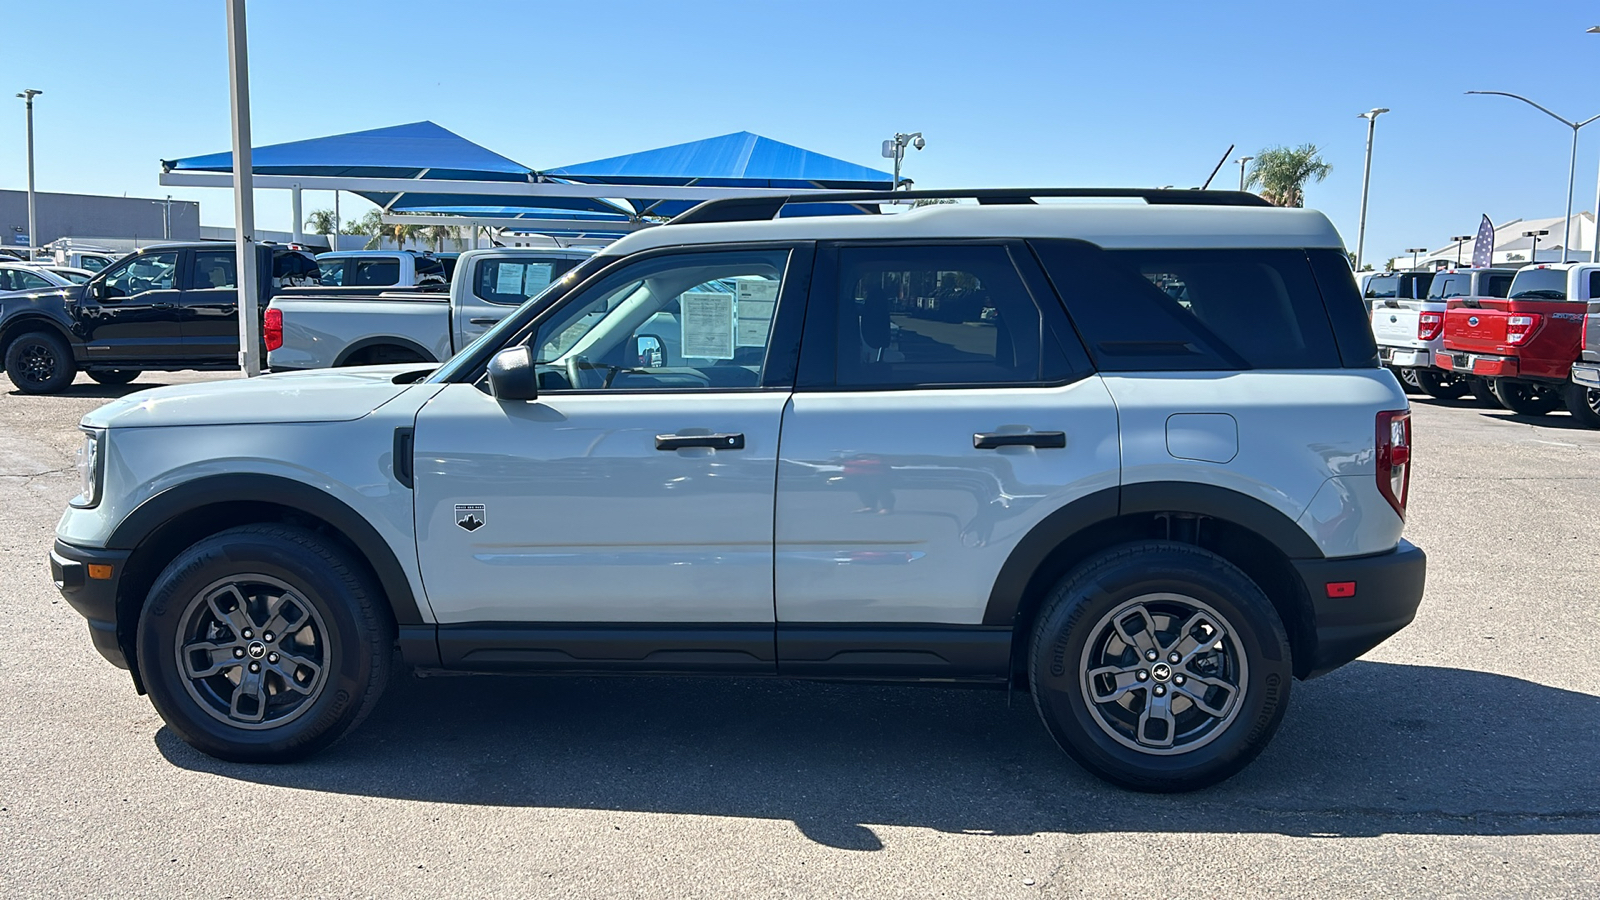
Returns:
(514, 322)
(1539, 284)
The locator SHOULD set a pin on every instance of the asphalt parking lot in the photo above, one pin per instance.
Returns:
(1458, 759)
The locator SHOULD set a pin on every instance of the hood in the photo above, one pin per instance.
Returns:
(315, 395)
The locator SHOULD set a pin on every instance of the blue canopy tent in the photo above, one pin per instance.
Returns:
(738, 160)
(420, 151)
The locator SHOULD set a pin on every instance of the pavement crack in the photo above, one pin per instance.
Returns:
(32, 475)
(1477, 815)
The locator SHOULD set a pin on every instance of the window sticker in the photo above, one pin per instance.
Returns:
(508, 278)
(757, 301)
(708, 325)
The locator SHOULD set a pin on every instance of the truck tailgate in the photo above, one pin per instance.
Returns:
(1481, 330)
(1397, 325)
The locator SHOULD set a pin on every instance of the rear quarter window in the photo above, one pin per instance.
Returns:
(1175, 310)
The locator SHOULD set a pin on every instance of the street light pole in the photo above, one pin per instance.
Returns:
(896, 149)
(1533, 257)
(1461, 240)
(1572, 166)
(1371, 116)
(1242, 160)
(1414, 251)
(1594, 244)
(33, 222)
(244, 208)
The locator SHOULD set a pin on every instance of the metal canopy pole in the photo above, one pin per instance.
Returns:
(298, 233)
(33, 223)
(244, 210)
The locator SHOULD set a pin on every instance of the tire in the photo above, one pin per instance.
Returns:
(1584, 404)
(1080, 630)
(1440, 385)
(222, 597)
(1525, 399)
(1482, 393)
(114, 377)
(1408, 380)
(40, 362)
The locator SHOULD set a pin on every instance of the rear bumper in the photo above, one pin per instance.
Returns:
(1388, 590)
(1477, 364)
(1586, 374)
(94, 598)
(1405, 357)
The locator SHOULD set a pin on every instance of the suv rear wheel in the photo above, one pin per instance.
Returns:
(1525, 399)
(40, 363)
(264, 643)
(1160, 666)
(1583, 403)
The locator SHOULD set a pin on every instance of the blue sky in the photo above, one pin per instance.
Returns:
(1063, 93)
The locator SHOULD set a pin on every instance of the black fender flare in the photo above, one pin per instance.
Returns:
(278, 491)
(25, 322)
(1010, 585)
(383, 341)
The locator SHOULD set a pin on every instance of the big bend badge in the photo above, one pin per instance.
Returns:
(471, 516)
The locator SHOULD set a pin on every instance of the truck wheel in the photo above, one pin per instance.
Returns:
(1583, 403)
(1160, 666)
(1439, 385)
(114, 377)
(1407, 378)
(1525, 399)
(40, 363)
(264, 643)
(1482, 393)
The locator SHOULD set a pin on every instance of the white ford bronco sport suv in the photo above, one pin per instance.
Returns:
(1134, 453)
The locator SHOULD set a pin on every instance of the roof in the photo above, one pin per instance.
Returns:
(740, 159)
(415, 150)
(1115, 225)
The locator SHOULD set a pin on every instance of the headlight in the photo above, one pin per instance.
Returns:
(91, 469)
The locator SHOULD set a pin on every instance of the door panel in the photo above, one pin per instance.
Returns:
(886, 511)
(584, 520)
(136, 316)
(210, 305)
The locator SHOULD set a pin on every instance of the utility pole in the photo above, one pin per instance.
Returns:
(1371, 116)
(33, 221)
(1414, 251)
(1572, 162)
(1242, 161)
(895, 149)
(244, 207)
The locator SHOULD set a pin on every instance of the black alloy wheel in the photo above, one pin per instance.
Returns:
(1584, 404)
(40, 363)
(1525, 398)
(1440, 385)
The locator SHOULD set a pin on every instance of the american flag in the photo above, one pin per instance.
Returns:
(1483, 245)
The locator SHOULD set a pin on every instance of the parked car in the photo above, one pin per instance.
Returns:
(328, 329)
(164, 308)
(1059, 491)
(71, 274)
(379, 268)
(92, 260)
(23, 277)
(1527, 343)
(1584, 401)
(1409, 331)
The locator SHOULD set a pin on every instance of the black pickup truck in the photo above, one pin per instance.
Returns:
(163, 308)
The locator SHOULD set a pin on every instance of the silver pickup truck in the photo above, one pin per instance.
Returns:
(316, 331)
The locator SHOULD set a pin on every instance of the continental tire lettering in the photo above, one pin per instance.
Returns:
(1271, 691)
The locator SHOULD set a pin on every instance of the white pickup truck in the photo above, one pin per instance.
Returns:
(1410, 330)
(325, 330)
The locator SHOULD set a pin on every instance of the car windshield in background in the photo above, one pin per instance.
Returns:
(1540, 284)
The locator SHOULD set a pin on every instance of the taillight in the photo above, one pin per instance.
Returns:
(272, 328)
(1429, 325)
(1520, 328)
(1394, 457)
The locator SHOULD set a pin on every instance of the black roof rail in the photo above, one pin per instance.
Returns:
(753, 209)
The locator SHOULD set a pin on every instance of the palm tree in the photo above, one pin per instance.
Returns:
(320, 221)
(1282, 173)
(438, 234)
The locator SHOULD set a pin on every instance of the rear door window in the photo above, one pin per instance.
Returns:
(429, 271)
(1171, 310)
(1494, 285)
(1539, 284)
(381, 272)
(1383, 287)
(511, 281)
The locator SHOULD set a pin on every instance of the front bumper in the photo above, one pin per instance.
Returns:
(92, 592)
(1387, 591)
(1477, 364)
(1405, 357)
(1586, 374)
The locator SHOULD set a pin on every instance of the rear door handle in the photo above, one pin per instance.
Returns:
(714, 441)
(1054, 440)
(483, 321)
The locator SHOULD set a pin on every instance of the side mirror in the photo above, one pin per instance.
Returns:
(650, 351)
(512, 375)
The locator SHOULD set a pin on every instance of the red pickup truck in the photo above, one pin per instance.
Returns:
(1526, 343)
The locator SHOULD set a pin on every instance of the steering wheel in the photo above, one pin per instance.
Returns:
(577, 364)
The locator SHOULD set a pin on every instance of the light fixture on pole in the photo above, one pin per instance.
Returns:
(1414, 251)
(33, 223)
(895, 149)
(1461, 240)
(1534, 256)
(1371, 116)
(1572, 165)
(1241, 161)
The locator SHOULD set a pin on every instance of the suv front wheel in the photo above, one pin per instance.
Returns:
(264, 643)
(1160, 666)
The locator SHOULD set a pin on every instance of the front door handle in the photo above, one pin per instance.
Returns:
(714, 441)
(483, 321)
(1053, 440)
(163, 306)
